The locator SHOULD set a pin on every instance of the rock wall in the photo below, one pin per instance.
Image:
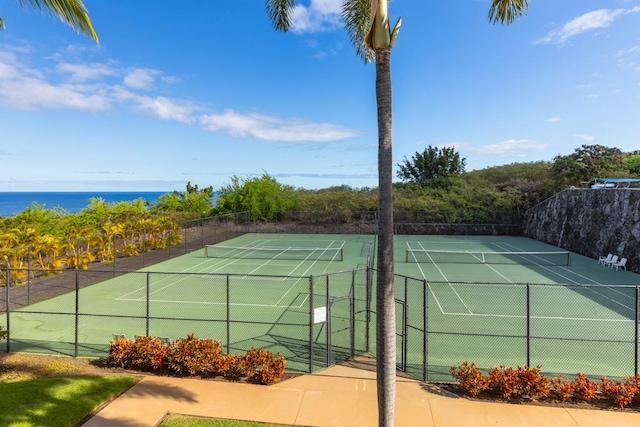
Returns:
(591, 222)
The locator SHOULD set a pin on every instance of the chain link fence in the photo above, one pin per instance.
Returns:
(313, 321)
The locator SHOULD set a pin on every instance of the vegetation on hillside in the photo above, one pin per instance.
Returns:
(52, 239)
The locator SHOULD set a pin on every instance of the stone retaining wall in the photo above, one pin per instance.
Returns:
(591, 222)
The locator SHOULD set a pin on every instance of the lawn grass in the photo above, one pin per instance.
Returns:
(56, 402)
(183, 421)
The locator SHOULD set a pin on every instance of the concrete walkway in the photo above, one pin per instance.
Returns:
(339, 396)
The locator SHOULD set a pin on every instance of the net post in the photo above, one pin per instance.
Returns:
(341, 254)
(206, 252)
(569, 259)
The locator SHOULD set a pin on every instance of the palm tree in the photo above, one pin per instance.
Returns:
(367, 24)
(72, 12)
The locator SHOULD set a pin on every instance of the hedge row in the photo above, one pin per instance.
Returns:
(528, 382)
(194, 356)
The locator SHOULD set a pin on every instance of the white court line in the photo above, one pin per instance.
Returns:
(445, 278)
(470, 313)
(216, 303)
(325, 270)
(605, 296)
(223, 264)
(520, 316)
(170, 276)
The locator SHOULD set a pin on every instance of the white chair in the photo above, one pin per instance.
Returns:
(605, 259)
(622, 263)
(612, 261)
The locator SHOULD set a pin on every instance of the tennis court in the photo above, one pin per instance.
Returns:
(491, 300)
(254, 290)
(574, 316)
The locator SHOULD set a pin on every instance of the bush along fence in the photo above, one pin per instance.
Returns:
(529, 383)
(194, 356)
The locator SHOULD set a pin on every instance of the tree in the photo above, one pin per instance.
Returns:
(633, 164)
(367, 24)
(587, 163)
(72, 12)
(432, 167)
(262, 197)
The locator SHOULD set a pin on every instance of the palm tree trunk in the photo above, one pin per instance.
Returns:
(385, 292)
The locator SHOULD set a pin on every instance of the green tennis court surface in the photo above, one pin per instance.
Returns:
(458, 298)
(577, 317)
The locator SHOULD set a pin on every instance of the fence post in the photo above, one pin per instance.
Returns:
(113, 243)
(148, 305)
(185, 239)
(368, 308)
(228, 315)
(8, 285)
(77, 320)
(528, 324)
(635, 345)
(310, 324)
(352, 309)
(29, 275)
(328, 324)
(425, 326)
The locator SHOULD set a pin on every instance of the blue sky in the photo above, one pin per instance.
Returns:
(200, 90)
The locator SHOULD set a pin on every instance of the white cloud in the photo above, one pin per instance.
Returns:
(510, 148)
(269, 128)
(554, 119)
(585, 137)
(165, 108)
(602, 18)
(140, 78)
(83, 72)
(320, 15)
(26, 88)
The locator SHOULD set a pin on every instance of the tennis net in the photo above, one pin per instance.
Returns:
(559, 258)
(285, 253)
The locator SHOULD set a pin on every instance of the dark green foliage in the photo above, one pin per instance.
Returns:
(633, 164)
(263, 197)
(586, 164)
(192, 201)
(433, 167)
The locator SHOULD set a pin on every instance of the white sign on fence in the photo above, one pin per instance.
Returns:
(319, 315)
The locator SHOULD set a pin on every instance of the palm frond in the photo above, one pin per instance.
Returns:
(279, 12)
(1, 23)
(73, 12)
(506, 11)
(356, 18)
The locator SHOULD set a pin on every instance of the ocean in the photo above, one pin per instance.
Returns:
(12, 203)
